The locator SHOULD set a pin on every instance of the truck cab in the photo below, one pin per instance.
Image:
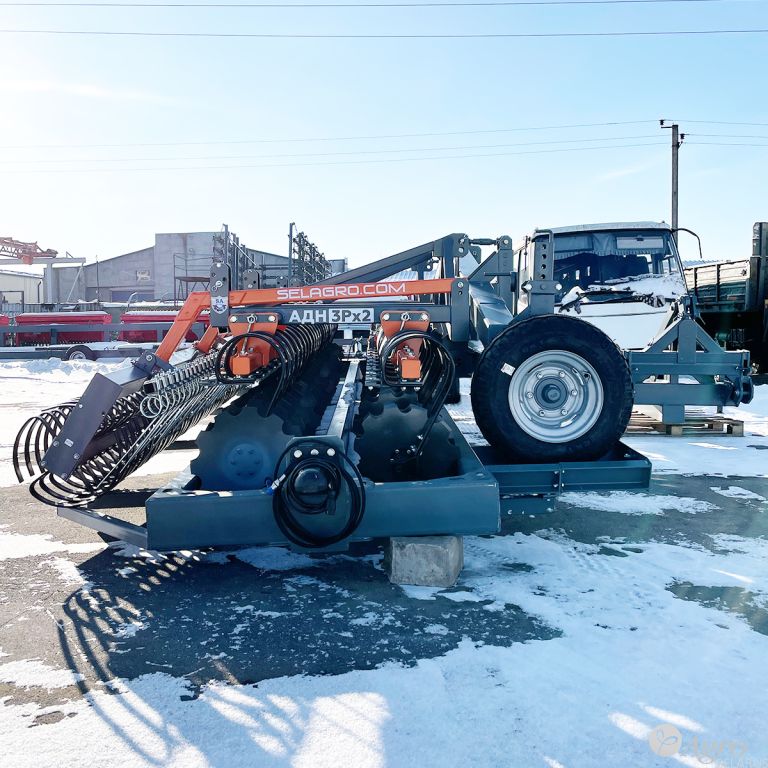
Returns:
(626, 278)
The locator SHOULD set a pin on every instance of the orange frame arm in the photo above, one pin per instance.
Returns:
(199, 300)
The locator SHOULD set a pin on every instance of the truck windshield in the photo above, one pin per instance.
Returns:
(596, 258)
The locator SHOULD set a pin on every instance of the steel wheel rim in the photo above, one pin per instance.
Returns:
(77, 356)
(555, 396)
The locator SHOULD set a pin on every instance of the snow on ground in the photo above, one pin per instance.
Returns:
(29, 386)
(32, 672)
(635, 502)
(714, 454)
(632, 655)
(14, 545)
(633, 651)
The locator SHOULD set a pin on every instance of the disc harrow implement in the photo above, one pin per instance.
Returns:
(329, 404)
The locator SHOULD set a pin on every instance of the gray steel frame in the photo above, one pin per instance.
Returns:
(684, 349)
(480, 307)
(180, 516)
(443, 251)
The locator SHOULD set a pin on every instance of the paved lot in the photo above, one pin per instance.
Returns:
(220, 616)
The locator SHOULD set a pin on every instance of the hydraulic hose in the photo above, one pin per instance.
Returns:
(288, 504)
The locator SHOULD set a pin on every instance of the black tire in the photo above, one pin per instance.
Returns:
(80, 352)
(491, 386)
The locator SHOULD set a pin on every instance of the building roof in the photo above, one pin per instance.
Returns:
(20, 273)
(92, 264)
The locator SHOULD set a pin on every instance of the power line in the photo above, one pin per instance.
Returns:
(725, 144)
(730, 135)
(722, 122)
(329, 154)
(378, 36)
(329, 138)
(370, 161)
(306, 6)
(340, 162)
(384, 136)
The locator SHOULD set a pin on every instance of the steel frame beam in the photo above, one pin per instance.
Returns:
(198, 301)
(686, 349)
(444, 250)
(182, 515)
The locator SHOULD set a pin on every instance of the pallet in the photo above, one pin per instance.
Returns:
(642, 423)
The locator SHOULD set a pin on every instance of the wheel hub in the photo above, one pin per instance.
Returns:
(556, 396)
(550, 393)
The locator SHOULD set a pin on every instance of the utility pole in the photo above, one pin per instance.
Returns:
(677, 140)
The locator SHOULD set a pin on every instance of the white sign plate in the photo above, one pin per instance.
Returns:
(334, 315)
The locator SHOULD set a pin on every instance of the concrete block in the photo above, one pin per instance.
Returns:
(424, 561)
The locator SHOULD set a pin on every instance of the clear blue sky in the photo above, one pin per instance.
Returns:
(96, 90)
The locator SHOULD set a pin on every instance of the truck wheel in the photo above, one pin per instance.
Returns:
(552, 388)
(79, 352)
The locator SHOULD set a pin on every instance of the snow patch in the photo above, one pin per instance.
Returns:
(16, 545)
(254, 611)
(367, 620)
(133, 552)
(27, 673)
(737, 492)
(419, 593)
(68, 572)
(128, 629)
(460, 596)
(636, 503)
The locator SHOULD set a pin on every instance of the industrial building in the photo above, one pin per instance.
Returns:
(19, 288)
(176, 264)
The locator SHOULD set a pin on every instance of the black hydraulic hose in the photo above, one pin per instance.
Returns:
(436, 393)
(293, 345)
(228, 350)
(286, 504)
